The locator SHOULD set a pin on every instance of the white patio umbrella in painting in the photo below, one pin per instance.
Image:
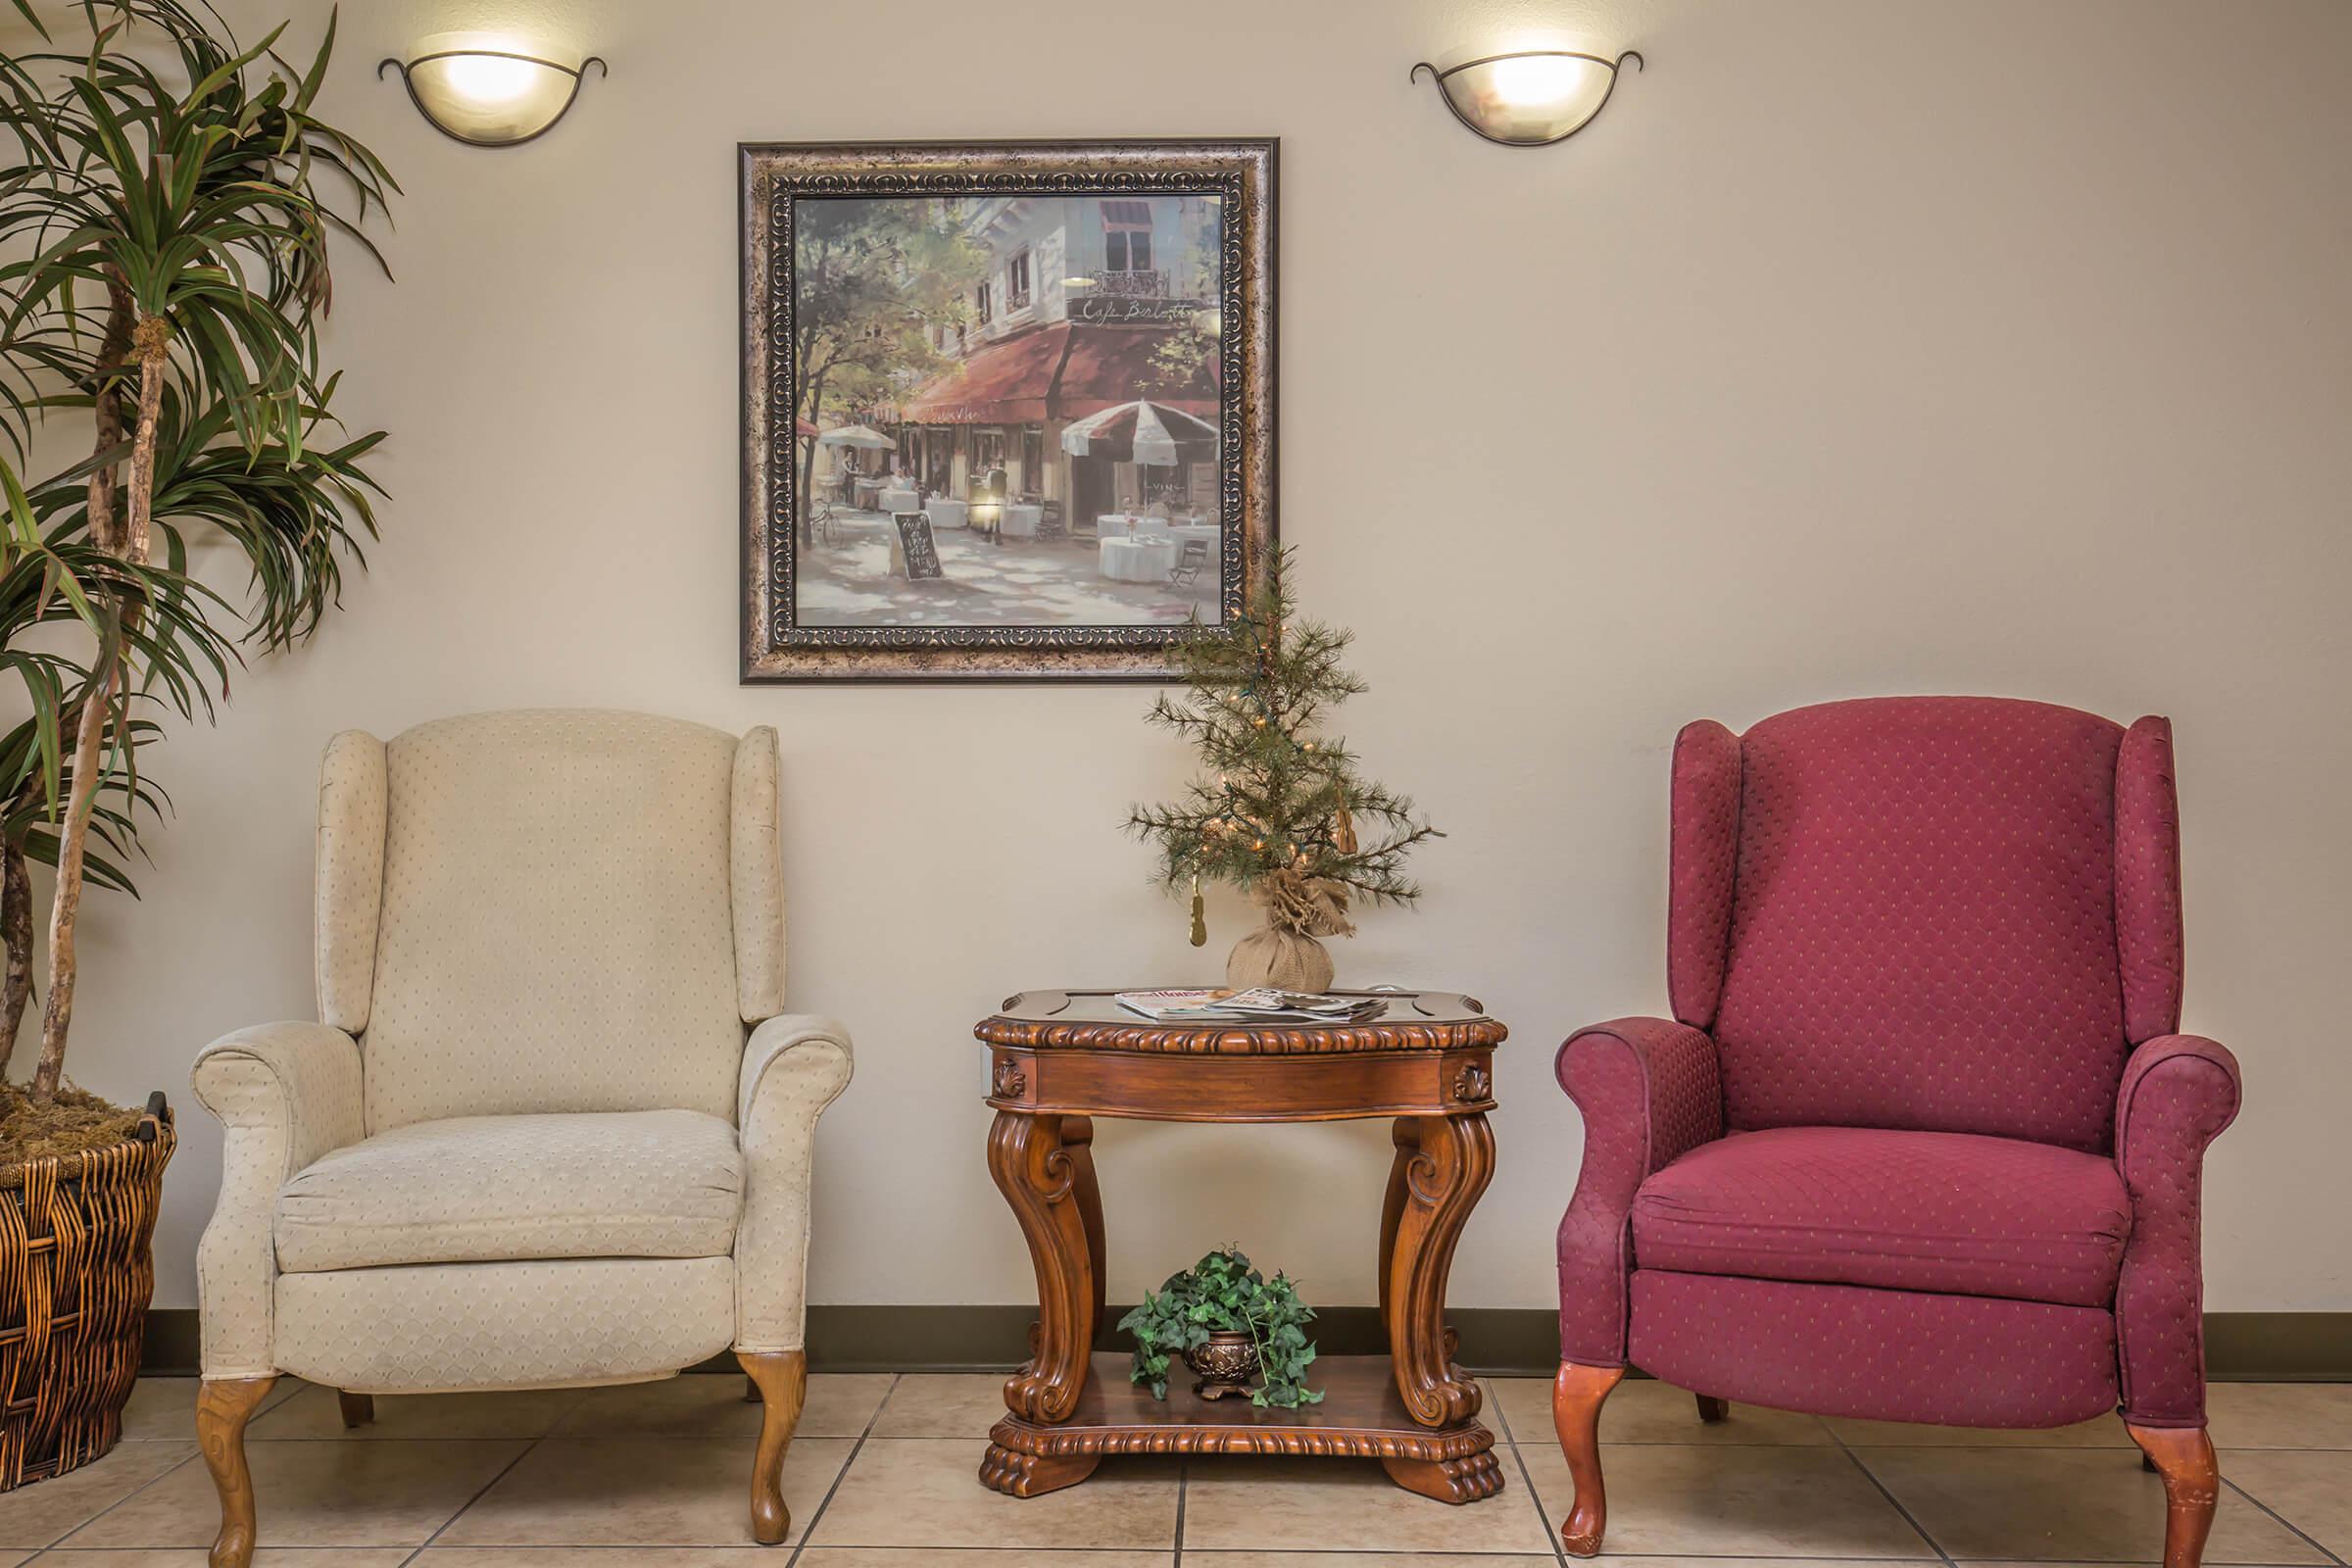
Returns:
(856, 435)
(1141, 432)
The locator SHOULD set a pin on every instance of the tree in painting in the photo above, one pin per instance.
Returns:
(870, 278)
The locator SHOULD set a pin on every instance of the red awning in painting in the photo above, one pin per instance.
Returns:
(1055, 373)
(1004, 383)
(1109, 366)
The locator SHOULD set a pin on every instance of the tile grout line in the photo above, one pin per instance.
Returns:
(843, 1474)
(2283, 1520)
(504, 1471)
(81, 1525)
(278, 1397)
(1502, 1418)
(1183, 1474)
(1893, 1501)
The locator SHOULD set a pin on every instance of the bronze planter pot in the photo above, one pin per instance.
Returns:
(1227, 1364)
(77, 1273)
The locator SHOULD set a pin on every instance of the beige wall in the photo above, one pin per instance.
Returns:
(1862, 347)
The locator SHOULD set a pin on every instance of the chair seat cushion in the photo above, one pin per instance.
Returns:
(492, 1189)
(1951, 1212)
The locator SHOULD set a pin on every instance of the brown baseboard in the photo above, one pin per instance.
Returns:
(2239, 1346)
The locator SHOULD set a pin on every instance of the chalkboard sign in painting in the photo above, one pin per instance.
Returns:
(917, 553)
(1033, 345)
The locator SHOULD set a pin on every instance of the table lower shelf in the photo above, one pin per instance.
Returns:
(1361, 1416)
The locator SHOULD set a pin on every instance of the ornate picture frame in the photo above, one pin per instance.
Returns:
(1007, 407)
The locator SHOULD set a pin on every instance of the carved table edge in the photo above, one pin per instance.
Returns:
(1284, 1040)
(1451, 1443)
(1453, 1109)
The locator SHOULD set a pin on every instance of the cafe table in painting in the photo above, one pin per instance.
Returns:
(1136, 560)
(1060, 1058)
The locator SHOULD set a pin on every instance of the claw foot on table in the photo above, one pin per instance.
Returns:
(1031, 1475)
(1448, 1480)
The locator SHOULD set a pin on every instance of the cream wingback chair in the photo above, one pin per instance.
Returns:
(552, 1127)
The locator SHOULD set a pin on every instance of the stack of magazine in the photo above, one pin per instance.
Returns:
(1262, 1006)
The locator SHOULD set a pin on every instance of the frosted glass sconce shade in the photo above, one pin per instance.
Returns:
(490, 97)
(1529, 99)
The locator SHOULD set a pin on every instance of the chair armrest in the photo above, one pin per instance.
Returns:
(286, 1094)
(1650, 1090)
(2179, 1093)
(794, 1066)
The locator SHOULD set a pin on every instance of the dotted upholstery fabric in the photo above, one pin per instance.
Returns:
(557, 926)
(348, 884)
(2147, 881)
(1923, 928)
(1881, 1355)
(1948, 1212)
(483, 1189)
(794, 1066)
(481, 1326)
(566, 914)
(285, 1094)
(755, 876)
(2179, 1093)
(1947, 916)
(1705, 849)
(1649, 1093)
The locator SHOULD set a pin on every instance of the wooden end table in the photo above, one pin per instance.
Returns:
(1061, 1057)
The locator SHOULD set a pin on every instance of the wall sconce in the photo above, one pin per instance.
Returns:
(487, 97)
(1532, 98)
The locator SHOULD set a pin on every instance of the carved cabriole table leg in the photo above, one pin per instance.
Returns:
(1451, 1163)
(223, 1407)
(1078, 1140)
(1040, 1179)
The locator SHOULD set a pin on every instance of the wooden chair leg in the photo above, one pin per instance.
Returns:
(358, 1409)
(1576, 1397)
(2193, 1488)
(1711, 1409)
(223, 1407)
(782, 1378)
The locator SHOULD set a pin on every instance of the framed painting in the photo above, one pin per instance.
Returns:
(1008, 407)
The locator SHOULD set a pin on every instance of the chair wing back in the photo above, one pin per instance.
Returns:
(1946, 914)
(541, 912)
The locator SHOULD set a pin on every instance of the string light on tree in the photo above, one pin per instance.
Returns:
(1258, 694)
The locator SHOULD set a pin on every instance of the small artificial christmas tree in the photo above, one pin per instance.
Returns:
(1276, 808)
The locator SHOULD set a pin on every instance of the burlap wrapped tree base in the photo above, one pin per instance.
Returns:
(1268, 956)
(1284, 951)
(77, 1273)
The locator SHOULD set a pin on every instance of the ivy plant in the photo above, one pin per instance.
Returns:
(1223, 1294)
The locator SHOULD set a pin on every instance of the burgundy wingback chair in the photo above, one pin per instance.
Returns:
(1921, 1141)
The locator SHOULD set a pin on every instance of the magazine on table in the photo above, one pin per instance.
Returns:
(1263, 1005)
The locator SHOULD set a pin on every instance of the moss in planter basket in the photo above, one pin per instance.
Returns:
(75, 1121)
(1223, 1294)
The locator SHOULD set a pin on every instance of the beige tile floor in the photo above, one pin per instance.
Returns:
(882, 1474)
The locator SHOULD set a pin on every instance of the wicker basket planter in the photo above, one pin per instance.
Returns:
(76, 1276)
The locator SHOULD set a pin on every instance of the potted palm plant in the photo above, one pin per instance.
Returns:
(166, 230)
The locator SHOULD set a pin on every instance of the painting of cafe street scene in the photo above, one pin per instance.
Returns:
(1021, 421)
